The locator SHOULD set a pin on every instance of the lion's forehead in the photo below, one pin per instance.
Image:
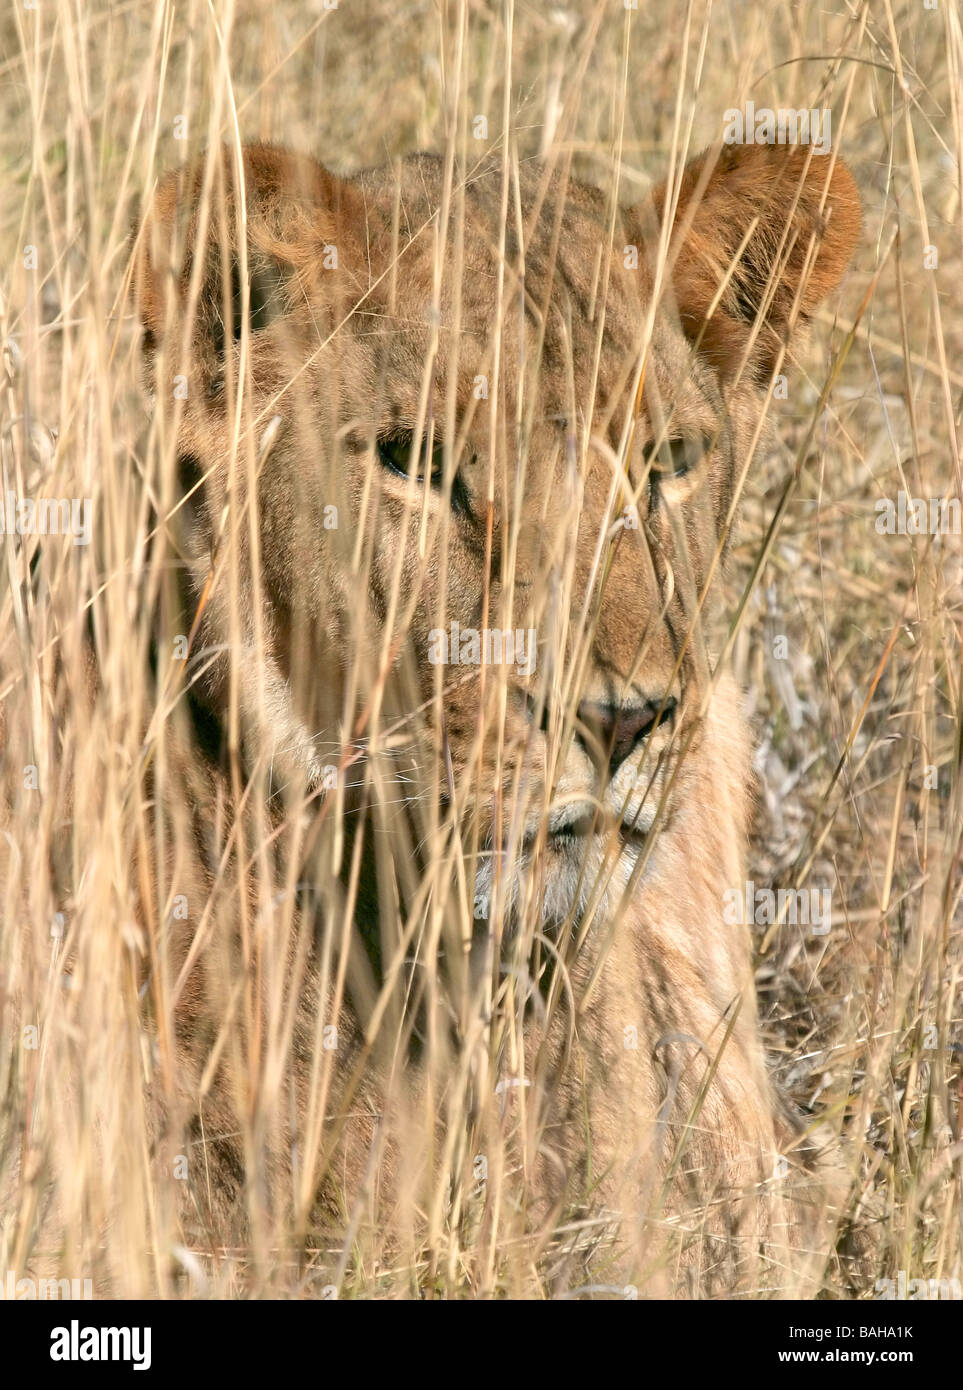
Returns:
(573, 287)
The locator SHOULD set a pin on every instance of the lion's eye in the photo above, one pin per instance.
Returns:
(674, 458)
(677, 457)
(397, 452)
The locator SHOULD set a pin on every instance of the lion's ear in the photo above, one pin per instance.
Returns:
(296, 223)
(761, 234)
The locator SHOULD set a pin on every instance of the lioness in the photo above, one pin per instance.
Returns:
(458, 455)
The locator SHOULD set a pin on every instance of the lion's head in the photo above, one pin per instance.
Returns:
(459, 453)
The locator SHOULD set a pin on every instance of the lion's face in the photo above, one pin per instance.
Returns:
(495, 450)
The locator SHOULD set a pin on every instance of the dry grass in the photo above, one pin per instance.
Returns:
(865, 1024)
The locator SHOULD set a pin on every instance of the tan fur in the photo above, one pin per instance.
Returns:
(676, 1136)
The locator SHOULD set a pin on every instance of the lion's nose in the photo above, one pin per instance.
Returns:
(618, 729)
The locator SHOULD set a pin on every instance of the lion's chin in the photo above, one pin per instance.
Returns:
(563, 878)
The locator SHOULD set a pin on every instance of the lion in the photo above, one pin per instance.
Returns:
(450, 460)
